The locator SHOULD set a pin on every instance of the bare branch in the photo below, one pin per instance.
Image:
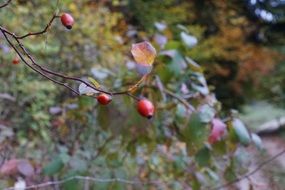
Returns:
(41, 32)
(85, 178)
(5, 4)
(180, 99)
(43, 70)
(36, 70)
(102, 147)
(250, 173)
(160, 87)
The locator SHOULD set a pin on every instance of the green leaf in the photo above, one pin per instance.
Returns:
(173, 44)
(193, 65)
(219, 148)
(53, 167)
(78, 164)
(196, 133)
(207, 113)
(188, 40)
(199, 83)
(213, 175)
(203, 157)
(195, 184)
(181, 113)
(71, 184)
(230, 173)
(177, 63)
(257, 141)
(241, 132)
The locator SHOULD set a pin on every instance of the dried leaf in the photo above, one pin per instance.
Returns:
(143, 53)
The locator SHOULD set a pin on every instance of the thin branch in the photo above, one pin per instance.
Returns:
(5, 4)
(41, 32)
(134, 97)
(134, 87)
(250, 173)
(160, 87)
(100, 180)
(38, 71)
(46, 70)
(180, 99)
(102, 147)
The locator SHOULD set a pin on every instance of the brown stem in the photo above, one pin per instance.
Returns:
(34, 69)
(41, 32)
(43, 70)
(5, 4)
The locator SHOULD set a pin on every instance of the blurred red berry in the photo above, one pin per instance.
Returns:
(217, 131)
(145, 108)
(104, 99)
(16, 61)
(67, 20)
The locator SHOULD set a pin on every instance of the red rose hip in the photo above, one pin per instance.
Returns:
(145, 108)
(104, 99)
(217, 131)
(16, 61)
(67, 20)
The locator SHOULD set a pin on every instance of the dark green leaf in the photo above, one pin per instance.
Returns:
(257, 141)
(241, 132)
(53, 167)
(196, 133)
(203, 157)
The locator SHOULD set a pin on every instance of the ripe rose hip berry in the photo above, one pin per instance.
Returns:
(145, 108)
(16, 61)
(217, 131)
(104, 99)
(67, 20)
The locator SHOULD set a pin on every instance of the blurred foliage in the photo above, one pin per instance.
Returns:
(233, 47)
(62, 135)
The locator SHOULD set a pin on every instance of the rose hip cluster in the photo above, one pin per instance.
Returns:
(144, 106)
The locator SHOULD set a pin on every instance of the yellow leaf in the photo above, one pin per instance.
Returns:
(94, 82)
(143, 53)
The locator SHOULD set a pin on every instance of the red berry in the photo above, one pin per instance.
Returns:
(104, 99)
(16, 61)
(67, 20)
(218, 130)
(145, 108)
